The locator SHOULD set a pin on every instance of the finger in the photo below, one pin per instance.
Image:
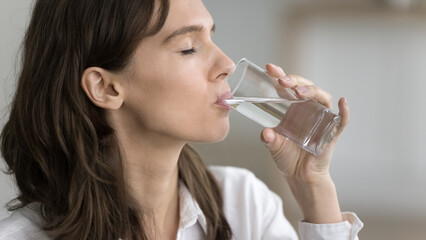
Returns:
(314, 92)
(293, 81)
(344, 115)
(277, 72)
(344, 119)
(274, 71)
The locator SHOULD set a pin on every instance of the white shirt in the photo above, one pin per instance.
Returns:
(252, 210)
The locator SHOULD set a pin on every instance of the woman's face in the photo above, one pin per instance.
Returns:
(174, 81)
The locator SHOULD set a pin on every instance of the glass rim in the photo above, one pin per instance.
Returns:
(234, 83)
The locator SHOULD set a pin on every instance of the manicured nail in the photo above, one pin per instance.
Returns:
(286, 79)
(264, 141)
(271, 137)
(302, 89)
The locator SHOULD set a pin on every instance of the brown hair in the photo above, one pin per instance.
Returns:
(59, 145)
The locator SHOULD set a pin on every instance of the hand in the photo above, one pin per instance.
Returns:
(305, 172)
(292, 160)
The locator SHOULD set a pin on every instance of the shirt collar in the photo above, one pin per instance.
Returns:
(190, 211)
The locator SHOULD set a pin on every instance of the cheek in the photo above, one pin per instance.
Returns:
(178, 101)
(189, 117)
(166, 100)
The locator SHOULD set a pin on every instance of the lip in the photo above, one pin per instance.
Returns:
(221, 100)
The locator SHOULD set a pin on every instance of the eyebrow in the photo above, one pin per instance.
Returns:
(187, 29)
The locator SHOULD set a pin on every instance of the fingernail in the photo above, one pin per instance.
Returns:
(286, 79)
(264, 141)
(270, 136)
(302, 89)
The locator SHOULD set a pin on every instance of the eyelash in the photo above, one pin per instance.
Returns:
(188, 51)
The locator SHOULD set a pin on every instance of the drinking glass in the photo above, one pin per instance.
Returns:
(261, 98)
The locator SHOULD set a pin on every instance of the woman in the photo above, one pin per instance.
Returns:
(109, 95)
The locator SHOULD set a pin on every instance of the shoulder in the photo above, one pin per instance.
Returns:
(231, 174)
(22, 224)
(234, 180)
(241, 186)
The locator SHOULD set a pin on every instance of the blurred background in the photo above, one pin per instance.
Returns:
(373, 52)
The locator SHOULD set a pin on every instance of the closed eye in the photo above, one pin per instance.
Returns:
(188, 51)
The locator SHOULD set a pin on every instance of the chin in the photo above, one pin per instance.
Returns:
(220, 137)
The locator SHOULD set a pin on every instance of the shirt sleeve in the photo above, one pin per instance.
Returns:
(278, 227)
(346, 230)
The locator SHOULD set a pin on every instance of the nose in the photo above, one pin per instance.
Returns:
(223, 66)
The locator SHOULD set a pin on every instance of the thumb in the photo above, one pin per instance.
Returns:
(273, 141)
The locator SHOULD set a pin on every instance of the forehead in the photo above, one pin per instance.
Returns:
(185, 13)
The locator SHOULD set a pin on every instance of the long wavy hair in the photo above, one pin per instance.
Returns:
(59, 145)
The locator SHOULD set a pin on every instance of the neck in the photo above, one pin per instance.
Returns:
(152, 176)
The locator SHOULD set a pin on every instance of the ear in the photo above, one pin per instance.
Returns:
(102, 88)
